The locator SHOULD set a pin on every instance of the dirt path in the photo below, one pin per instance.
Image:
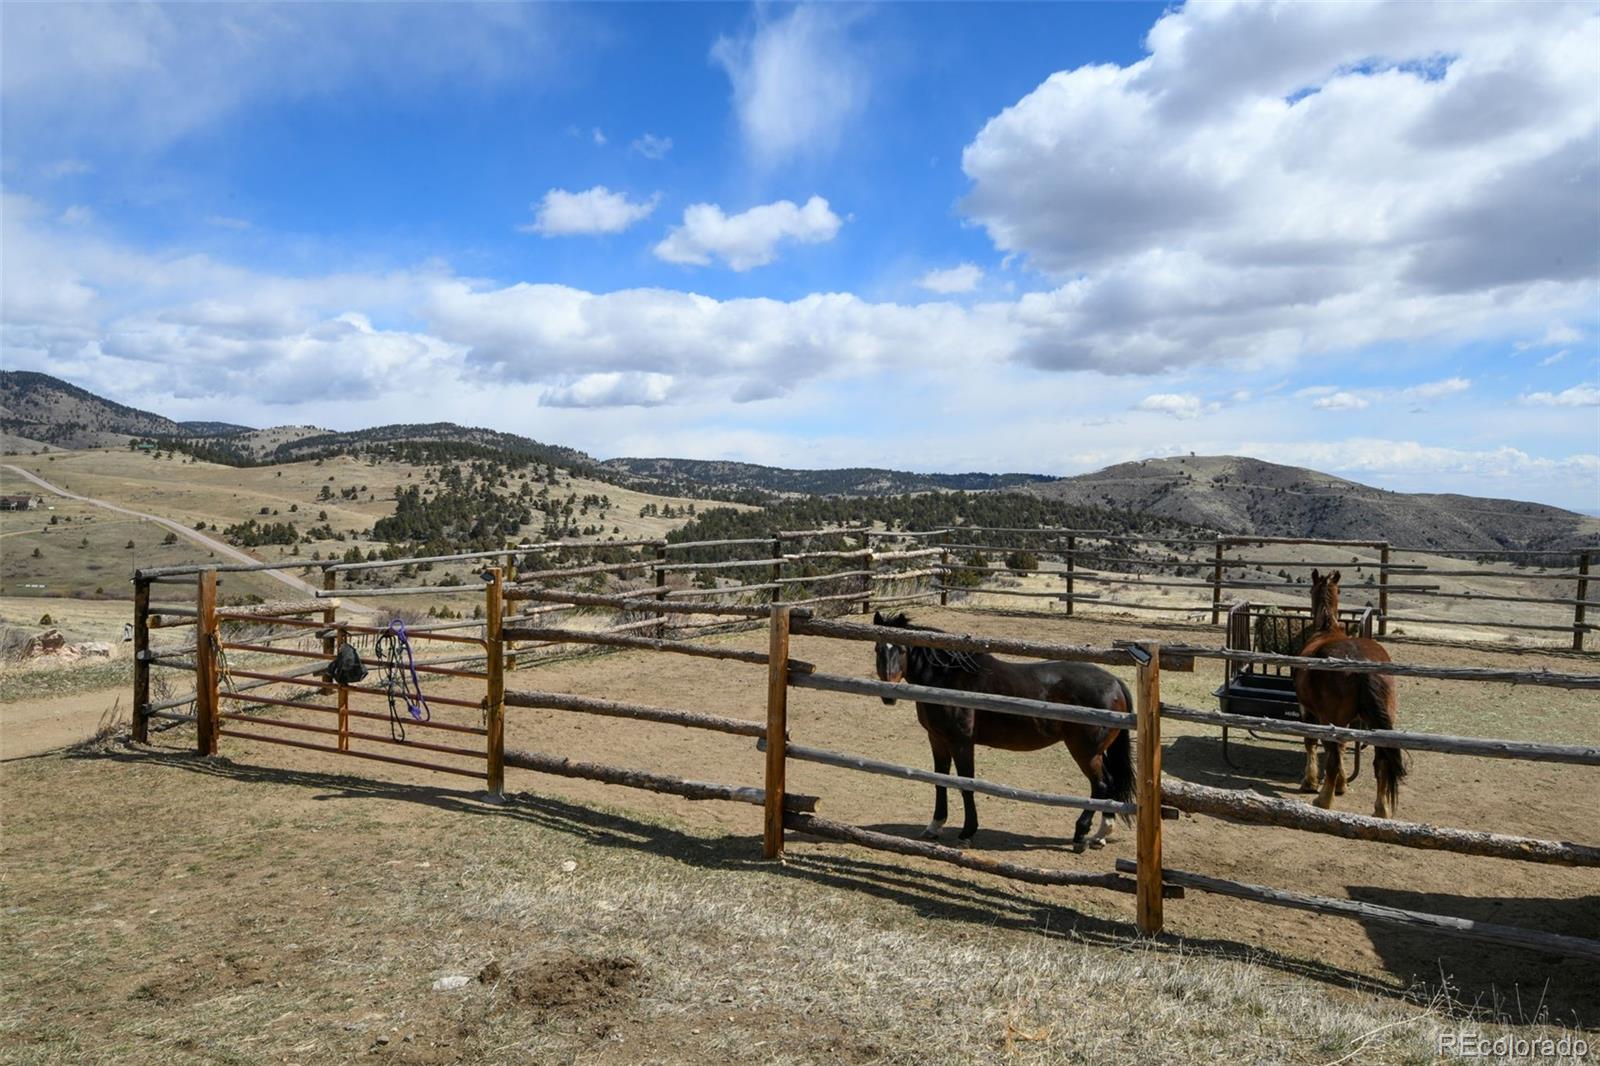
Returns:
(300, 586)
(209, 543)
(29, 727)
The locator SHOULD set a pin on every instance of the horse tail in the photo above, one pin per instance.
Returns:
(1375, 710)
(1119, 760)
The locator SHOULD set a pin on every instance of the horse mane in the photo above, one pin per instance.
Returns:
(941, 658)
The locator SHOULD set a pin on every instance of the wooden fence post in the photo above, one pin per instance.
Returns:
(1072, 545)
(1383, 588)
(777, 570)
(330, 616)
(141, 659)
(944, 578)
(495, 701)
(1583, 594)
(1147, 701)
(206, 697)
(510, 577)
(661, 589)
(866, 546)
(1216, 585)
(777, 732)
(344, 705)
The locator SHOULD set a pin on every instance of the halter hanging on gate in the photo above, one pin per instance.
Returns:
(393, 651)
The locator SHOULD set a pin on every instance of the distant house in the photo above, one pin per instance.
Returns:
(15, 503)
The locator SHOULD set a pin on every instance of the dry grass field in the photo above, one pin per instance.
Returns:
(85, 554)
(279, 905)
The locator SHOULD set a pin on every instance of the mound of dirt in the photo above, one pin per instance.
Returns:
(570, 983)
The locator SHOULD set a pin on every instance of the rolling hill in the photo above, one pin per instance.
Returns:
(38, 407)
(1242, 495)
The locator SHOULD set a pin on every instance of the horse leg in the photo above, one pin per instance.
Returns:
(1339, 779)
(1332, 766)
(941, 810)
(1312, 779)
(1097, 790)
(1380, 807)
(1094, 770)
(964, 768)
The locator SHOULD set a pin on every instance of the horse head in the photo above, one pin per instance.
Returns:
(1324, 600)
(891, 658)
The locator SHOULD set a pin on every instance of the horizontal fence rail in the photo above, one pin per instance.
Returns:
(616, 640)
(563, 701)
(817, 826)
(933, 638)
(649, 781)
(1253, 808)
(1581, 755)
(965, 784)
(983, 701)
(1554, 943)
(1547, 678)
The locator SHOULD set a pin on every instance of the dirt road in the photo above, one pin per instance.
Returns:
(303, 588)
(29, 727)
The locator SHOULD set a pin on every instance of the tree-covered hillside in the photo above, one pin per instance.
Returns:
(934, 510)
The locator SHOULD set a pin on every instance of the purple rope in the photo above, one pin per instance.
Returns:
(420, 711)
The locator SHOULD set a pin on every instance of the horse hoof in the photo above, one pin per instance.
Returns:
(928, 836)
(1309, 785)
(1097, 843)
(1325, 802)
(964, 841)
(1338, 790)
(1078, 846)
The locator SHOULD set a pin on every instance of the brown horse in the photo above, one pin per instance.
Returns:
(1363, 701)
(1101, 752)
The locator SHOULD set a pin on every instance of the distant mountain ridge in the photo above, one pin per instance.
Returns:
(1237, 494)
(44, 408)
(1229, 494)
(845, 481)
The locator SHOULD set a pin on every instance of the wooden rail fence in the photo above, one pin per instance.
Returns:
(466, 736)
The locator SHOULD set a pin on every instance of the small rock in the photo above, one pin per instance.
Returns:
(569, 866)
(451, 982)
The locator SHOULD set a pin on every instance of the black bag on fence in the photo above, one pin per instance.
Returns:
(346, 668)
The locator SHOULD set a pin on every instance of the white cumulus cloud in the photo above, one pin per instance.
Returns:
(963, 278)
(1432, 390)
(1340, 401)
(598, 210)
(1274, 180)
(797, 81)
(1577, 396)
(614, 389)
(1179, 405)
(750, 238)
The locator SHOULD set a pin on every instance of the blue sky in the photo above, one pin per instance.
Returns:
(1359, 237)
